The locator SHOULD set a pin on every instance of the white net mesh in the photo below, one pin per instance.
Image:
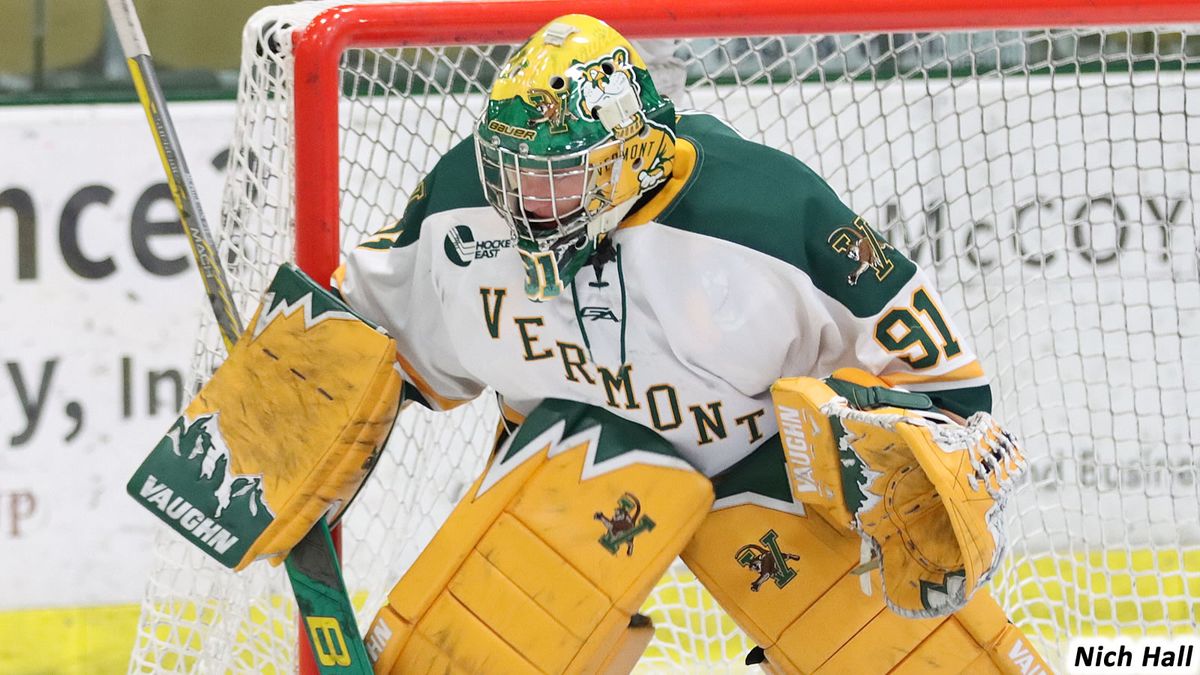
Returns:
(1044, 177)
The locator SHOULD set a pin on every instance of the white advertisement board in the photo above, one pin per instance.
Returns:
(100, 303)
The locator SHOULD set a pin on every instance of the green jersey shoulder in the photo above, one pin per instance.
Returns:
(766, 200)
(452, 184)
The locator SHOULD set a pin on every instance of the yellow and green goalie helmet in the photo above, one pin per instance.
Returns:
(573, 134)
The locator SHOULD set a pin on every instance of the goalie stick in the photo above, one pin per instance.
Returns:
(327, 616)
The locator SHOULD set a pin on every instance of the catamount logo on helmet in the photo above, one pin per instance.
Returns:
(609, 93)
(549, 104)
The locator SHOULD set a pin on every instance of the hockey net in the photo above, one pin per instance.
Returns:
(1044, 176)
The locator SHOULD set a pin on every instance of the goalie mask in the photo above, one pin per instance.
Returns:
(573, 134)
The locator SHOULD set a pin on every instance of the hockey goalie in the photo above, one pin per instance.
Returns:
(699, 352)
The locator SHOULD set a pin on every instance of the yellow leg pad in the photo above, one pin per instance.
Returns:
(562, 510)
(880, 645)
(445, 553)
(540, 567)
(820, 621)
(949, 650)
(628, 649)
(471, 645)
(826, 557)
(422, 656)
(817, 634)
(539, 572)
(982, 665)
(611, 636)
(1009, 648)
(385, 638)
(497, 602)
(446, 640)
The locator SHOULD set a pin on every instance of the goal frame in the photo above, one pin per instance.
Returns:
(318, 48)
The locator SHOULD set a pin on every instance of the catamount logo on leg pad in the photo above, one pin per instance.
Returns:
(769, 562)
(626, 523)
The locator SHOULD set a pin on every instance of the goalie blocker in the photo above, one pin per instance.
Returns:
(283, 433)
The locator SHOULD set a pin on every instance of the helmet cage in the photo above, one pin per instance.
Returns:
(571, 190)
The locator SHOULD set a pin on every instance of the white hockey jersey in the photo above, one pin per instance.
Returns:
(744, 268)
